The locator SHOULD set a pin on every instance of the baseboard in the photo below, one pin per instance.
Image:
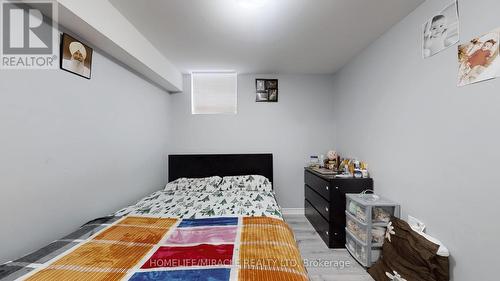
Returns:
(293, 211)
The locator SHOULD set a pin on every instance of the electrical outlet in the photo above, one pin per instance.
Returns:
(416, 224)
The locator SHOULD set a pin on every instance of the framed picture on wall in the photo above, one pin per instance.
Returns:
(76, 57)
(479, 59)
(262, 97)
(441, 31)
(266, 90)
(273, 95)
(260, 85)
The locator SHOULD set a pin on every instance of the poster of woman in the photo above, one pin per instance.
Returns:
(478, 59)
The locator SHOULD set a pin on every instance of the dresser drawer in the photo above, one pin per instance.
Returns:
(351, 185)
(323, 191)
(318, 202)
(318, 222)
(318, 184)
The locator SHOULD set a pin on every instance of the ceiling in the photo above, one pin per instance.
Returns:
(263, 36)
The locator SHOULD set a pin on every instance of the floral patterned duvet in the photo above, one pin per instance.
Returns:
(201, 204)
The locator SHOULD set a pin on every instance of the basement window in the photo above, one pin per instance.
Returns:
(213, 92)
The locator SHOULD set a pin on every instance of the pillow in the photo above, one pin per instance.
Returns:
(407, 255)
(208, 184)
(442, 251)
(248, 183)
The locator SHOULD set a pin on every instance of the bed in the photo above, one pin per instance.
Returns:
(216, 219)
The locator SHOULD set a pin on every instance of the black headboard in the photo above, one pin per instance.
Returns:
(206, 165)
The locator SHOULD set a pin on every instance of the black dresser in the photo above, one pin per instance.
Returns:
(325, 204)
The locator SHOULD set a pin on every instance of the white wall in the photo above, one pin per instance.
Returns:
(431, 146)
(299, 125)
(74, 149)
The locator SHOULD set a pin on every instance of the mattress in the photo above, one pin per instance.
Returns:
(174, 235)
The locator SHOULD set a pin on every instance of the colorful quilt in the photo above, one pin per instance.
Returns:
(153, 248)
(196, 204)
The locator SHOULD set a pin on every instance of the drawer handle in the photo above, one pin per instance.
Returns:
(326, 209)
(327, 187)
(327, 233)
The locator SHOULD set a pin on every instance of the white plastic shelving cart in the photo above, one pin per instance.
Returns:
(367, 216)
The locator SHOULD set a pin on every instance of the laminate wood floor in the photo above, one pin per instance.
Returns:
(322, 263)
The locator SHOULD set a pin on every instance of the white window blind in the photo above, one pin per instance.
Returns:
(213, 92)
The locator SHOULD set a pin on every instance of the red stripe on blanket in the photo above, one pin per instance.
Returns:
(200, 255)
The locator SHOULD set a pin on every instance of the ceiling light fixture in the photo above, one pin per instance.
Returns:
(252, 4)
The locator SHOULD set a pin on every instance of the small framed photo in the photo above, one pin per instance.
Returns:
(76, 57)
(272, 84)
(260, 85)
(273, 95)
(266, 90)
(262, 96)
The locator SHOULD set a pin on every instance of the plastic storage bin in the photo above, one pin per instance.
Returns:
(360, 252)
(367, 217)
(356, 228)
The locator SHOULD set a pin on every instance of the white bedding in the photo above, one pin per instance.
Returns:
(202, 204)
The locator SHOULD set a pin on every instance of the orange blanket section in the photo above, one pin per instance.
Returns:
(111, 253)
(268, 275)
(268, 245)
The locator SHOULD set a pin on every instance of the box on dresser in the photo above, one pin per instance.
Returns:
(325, 203)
